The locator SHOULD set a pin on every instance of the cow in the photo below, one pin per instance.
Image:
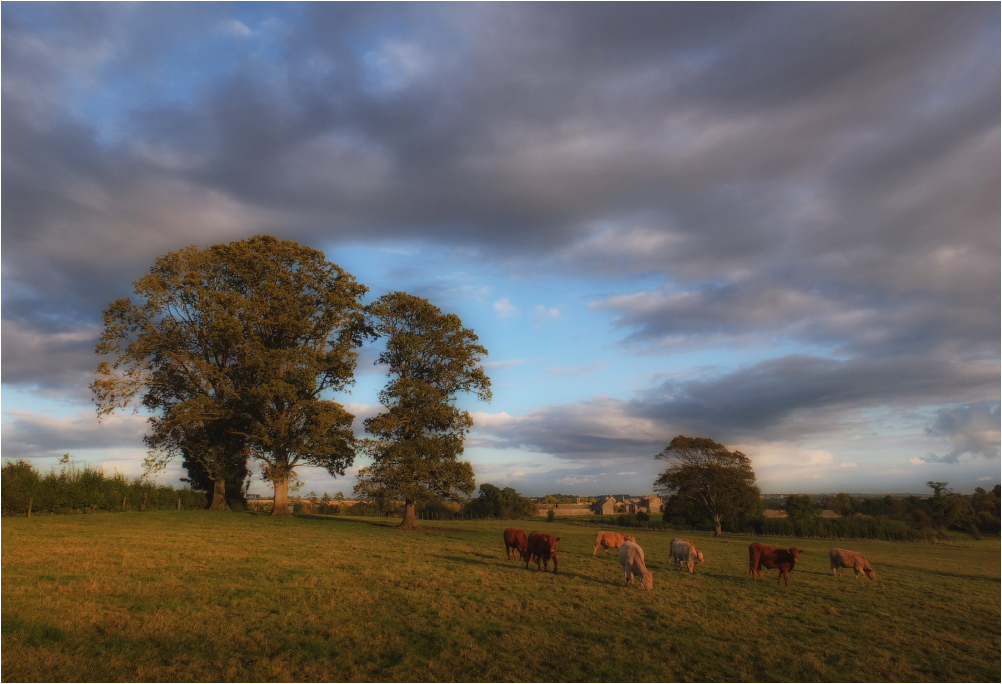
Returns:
(762, 556)
(515, 540)
(684, 552)
(610, 540)
(542, 547)
(841, 558)
(631, 557)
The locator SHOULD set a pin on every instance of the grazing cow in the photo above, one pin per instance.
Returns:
(684, 552)
(542, 547)
(631, 557)
(841, 558)
(515, 540)
(762, 556)
(610, 540)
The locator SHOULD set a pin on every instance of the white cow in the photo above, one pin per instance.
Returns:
(631, 557)
(684, 552)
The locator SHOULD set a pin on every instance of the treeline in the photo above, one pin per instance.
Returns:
(492, 503)
(908, 518)
(25, 491)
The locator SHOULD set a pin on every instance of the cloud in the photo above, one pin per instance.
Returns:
(31, 435)
(543, 314)
(585, 369)
(504, 308)
(972, 429)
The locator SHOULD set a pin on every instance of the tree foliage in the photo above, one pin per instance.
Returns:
(235, 348)
(799, 507)
(431, 359)
(841, 504)
(703, 475)
(506, 504)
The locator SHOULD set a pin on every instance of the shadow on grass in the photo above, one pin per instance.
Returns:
(518, 566)
(386, 524)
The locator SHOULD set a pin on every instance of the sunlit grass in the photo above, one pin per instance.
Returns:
(236, 597)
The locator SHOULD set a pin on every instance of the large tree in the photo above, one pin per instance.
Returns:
(173, 353)
(703, 474)
(301, 319)
(246, 340)
(431, 359)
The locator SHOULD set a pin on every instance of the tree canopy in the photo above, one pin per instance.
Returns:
(431, 359)
(239, 341)
(704, 476)
(506, 504)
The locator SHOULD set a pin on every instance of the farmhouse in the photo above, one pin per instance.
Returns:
(610, 504)
(604, 505)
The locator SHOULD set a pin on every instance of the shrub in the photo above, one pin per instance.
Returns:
(86, 490)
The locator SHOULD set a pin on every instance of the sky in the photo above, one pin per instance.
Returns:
(773, 225)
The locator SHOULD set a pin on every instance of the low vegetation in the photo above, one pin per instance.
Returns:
(25, 491)
(140, 598)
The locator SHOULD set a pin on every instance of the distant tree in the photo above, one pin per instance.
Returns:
(505, 504)
(937, 488)
(799, 507)
(431, 360)
(703, 473)
(841, 504)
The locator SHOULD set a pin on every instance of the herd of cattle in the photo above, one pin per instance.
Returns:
(542, 548)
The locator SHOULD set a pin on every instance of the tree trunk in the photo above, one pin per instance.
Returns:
(717, 532)
(281, 506)
(410, 519)
(219, 495)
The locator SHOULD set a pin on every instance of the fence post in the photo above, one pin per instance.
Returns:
(179, 504)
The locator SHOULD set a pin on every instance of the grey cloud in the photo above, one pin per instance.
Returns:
(789, 397)
(32, 435)
(595, 429)
(799, 162)
(783, 399)
(973, 429)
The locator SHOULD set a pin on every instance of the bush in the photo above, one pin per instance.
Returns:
(75, 490)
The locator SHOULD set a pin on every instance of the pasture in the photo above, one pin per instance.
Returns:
(198, 596)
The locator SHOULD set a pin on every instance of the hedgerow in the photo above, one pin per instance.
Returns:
(24, 491)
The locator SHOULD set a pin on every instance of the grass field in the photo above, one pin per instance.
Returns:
(197, 596)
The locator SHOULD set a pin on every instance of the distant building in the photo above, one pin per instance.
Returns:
(606, 505)
(252, 497)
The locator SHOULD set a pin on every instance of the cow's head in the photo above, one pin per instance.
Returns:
(795, 552)
(647, 580)
(699, 556)
(870, 572)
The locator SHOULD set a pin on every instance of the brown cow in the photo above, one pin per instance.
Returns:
(542, 547)
(840, 558)
(631, 557)
(515, 540)
(610, 540)
(762, 556)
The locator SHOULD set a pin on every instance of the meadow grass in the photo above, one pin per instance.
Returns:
(201, 596)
